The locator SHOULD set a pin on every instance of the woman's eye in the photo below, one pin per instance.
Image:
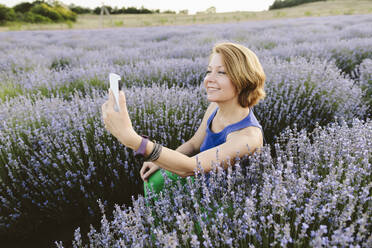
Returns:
(220, 72)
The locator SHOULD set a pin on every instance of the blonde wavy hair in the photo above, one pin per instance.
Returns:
(244, 70)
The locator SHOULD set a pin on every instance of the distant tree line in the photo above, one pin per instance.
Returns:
(278, 4)
(36, 12)
(49, 11)
(117, 11)
(114, 11)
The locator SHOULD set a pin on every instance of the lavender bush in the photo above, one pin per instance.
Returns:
(303, 93)
(315, 192)
(56, 158)
(365, 82)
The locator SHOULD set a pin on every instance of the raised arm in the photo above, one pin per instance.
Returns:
(237, 142)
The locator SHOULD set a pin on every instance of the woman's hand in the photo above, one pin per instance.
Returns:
(119, 123)
(151, 167)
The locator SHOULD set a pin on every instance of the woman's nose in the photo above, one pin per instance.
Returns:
(210, 76)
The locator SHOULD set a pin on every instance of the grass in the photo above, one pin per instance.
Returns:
(65, 90)
(9, 91)
(330, 7)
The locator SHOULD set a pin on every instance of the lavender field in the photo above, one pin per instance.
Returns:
(309, 187)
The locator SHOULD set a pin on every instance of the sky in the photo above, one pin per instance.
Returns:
(192, 5)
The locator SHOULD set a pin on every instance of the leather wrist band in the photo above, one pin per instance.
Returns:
(142, 149)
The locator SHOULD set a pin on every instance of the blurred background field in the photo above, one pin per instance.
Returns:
(89, 21)
(56, 160)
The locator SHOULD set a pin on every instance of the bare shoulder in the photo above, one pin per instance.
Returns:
(252, 133)
(242, 142)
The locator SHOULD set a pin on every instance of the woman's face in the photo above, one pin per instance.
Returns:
(216, 82)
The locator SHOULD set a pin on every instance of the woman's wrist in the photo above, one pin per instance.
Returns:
(130, 139)
(134, 142)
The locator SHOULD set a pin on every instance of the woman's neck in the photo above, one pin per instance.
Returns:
(229, 113)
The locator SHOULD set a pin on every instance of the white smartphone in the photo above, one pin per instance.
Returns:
(115, 87)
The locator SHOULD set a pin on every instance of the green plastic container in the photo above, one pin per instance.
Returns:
(156, 181)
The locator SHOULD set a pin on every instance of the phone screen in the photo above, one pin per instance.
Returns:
(114, 86)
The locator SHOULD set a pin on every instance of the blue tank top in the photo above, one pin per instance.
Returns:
(214, 139)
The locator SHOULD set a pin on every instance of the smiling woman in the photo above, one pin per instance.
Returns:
(234, 83)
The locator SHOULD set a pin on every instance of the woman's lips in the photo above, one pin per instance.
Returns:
(212, 89)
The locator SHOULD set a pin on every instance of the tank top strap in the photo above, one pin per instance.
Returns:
(249, 120)
(211, 117)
